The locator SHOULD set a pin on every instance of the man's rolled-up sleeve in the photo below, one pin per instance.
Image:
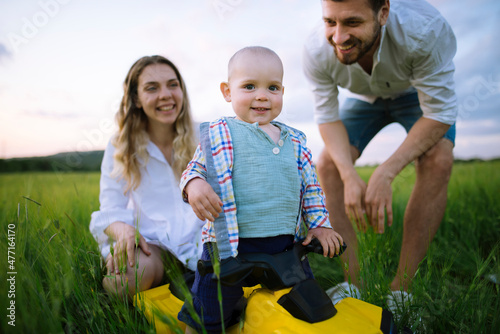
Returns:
(322, 85)
(433, 72)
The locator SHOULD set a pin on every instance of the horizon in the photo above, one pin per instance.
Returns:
(72, 153)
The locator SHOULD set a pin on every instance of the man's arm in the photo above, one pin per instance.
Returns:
(422, 136)
(432, 76)
(336, 141)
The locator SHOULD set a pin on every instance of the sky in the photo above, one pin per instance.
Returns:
(62, 64)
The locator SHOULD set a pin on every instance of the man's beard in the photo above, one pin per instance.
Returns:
(363, 47)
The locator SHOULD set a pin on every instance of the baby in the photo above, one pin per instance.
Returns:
(269, 193)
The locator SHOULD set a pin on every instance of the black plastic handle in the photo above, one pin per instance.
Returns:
(205, 267)
(315, 247)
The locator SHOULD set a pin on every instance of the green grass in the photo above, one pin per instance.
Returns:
(59, 269)
(58, 265)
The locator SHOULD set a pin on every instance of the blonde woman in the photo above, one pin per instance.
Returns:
(142, 216)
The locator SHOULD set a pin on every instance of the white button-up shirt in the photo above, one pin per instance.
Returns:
(155, 207)
(416, 52)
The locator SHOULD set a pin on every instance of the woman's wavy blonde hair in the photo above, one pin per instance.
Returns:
(132, 137)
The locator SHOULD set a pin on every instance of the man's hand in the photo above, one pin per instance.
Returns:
(341, 155)
(424, 134)
(330, 240)
(203, 199)
(378, 199)
(354, 200)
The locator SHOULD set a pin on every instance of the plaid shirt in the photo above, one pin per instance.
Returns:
(312, 199)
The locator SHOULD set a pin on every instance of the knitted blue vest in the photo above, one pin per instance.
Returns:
(266, 181)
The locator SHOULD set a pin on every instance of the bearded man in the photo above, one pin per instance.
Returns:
(395, 59)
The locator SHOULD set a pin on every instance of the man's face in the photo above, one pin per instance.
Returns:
(352, 28)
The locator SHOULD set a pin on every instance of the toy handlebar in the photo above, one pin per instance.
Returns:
(236, 265)
(315, 247)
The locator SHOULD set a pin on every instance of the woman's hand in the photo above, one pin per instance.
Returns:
(127, 239)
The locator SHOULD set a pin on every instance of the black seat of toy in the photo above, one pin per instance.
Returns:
(306, 301)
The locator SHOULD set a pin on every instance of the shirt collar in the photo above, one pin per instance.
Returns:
(154, 152)
(284, 130)
(378, 53)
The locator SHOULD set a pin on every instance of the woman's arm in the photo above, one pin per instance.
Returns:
(114, 221)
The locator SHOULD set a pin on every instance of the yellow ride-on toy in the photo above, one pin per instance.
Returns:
(283, 300)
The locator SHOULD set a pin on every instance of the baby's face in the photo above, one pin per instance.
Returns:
(255, 88)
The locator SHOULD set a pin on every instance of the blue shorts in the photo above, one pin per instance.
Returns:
(204, 290)
(364, 120)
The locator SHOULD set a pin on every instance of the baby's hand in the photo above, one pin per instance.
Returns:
(329, 239)
(203, 199)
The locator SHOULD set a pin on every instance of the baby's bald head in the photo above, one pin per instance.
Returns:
(253, 54)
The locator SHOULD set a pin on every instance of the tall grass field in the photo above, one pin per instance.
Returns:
(51, 269)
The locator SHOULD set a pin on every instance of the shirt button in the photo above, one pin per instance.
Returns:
(276, 150)
(280, 142)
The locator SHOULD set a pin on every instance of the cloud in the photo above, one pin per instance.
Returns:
(479, 96)
(4, 52)
(49, 114)
(479, 128)
(44, 86)
(482, 147)
(476, 77)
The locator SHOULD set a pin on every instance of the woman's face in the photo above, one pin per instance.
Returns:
(159, 94)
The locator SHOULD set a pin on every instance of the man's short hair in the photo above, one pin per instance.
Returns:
(376, 4)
